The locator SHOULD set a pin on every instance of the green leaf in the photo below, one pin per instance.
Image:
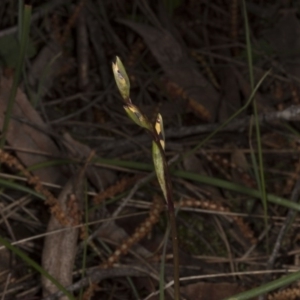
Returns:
(159, 168)
(121, 79)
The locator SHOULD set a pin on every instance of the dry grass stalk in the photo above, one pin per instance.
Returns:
(176, 91)
(208, 204)
(287, 294)
(90, 291)
(144, 228)
(141, 231)
(210, 74)
(72, 21)
(220, 163)
(51, 201)
(115, 189)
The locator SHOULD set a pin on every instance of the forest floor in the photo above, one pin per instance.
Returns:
(79, 198)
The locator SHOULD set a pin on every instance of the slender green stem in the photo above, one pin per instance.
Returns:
(172, 218)
(163, 265)
(175, 253)
(171, 213)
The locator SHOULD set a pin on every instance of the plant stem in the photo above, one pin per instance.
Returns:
(172, 219)
(171, 213)
(175, 252)
(162, 169)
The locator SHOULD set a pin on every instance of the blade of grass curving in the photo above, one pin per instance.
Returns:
(261, 178)
(233, 116)
(177, 173)
(195, 177)
(44, 75)
(26, 18)
(254, 161)
(134, 289)
(18, 187)
(236, 188)
(36, 266)
(202, 179)
(52, 163)
(263, 289)
(252, 155)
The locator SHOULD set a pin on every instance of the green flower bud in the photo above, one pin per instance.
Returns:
(121, 79)
(137, 117)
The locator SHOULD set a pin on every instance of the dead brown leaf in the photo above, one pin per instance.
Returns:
(231, 100)
(239, 159)
(178, 67)
(60, 248)
(100, 177)
(284, 38)
(47, 60)
(28, 132)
